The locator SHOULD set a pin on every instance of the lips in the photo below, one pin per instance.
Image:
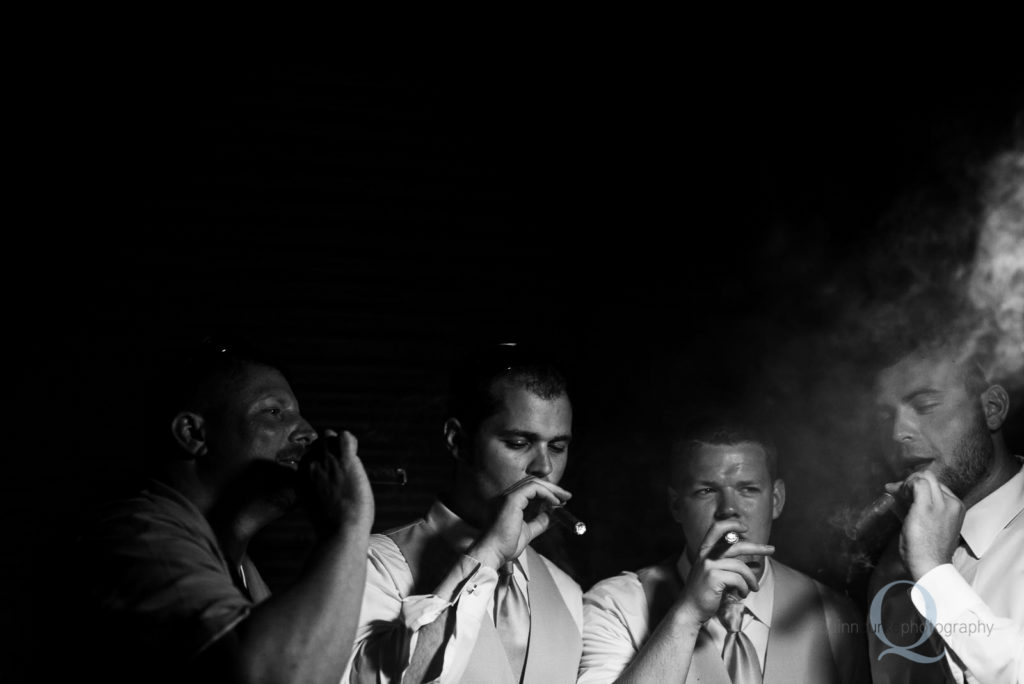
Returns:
(290, 458)
(915, 465)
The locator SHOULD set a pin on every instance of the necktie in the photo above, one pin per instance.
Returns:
(741, 661)
(512, 618)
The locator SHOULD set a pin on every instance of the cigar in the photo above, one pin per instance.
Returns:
(562, 516)
(559, 514)
(879, 509)
(377, 475)
(386, 475)
(730, 538)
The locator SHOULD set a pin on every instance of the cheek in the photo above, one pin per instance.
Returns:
(498, 464)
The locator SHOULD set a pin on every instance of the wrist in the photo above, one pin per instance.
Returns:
(686, 616)
(486, 555)
(923, 566)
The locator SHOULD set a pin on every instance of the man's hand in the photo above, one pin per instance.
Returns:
(511, 532)
(717, 571)
(337, 490)
(931, 529)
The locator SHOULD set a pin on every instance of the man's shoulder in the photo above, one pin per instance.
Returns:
(387, 544)
(624, 587)
(150, 516)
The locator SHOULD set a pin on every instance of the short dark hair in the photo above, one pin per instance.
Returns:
(199, 379)
(718, 429)
(473, 394)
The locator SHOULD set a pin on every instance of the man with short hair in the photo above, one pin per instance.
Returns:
(961, 545)
(459, 595)
(172, 592)
(721, 612)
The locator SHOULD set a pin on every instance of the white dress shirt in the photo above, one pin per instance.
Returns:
(979, 598)
(616, 622)
(391, 613)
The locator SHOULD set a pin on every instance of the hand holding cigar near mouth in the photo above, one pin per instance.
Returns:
(748, 553)
(558, 514)
(328, 441)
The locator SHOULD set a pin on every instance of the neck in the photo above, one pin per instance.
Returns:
(467, 507)
(1004, 467)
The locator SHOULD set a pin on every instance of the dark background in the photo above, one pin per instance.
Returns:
(681, 238)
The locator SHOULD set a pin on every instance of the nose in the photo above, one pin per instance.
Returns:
(726, 504)
(304, 433)
(540, 465)
(904, 426)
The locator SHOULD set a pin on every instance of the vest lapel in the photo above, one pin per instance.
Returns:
(798, 645)
(555, 641)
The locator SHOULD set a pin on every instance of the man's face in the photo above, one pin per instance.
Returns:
(721, 482)
(527, 435)
(260, 422)
(934, 422)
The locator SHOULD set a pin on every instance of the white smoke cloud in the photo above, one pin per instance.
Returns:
(995, 286)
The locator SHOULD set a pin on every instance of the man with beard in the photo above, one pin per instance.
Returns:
(961, 545)
(171, 593)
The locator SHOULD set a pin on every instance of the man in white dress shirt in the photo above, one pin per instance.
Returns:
(679, 620)
(459, 596)
(962, 541)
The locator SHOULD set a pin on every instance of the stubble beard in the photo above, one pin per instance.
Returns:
(972, 457)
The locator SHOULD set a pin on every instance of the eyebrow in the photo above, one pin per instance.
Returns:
(924, 391)
(739, 483)
(533, 435)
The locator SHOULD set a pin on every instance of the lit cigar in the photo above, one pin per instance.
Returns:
(562, 516)
(330, 441)
(559, 514)
(730, 538)
(386, 475)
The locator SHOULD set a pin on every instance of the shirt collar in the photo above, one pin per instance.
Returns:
(759, 602)
(460, 535)
(987, 518)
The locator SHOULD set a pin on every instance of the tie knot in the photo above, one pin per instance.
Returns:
(507, 570)
(730, 612)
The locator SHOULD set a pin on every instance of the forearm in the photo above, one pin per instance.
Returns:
(990, 646)
(406, 637)
(666, 655)
(306, 632)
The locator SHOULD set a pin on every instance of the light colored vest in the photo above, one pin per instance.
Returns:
(799, 649)
(555, 645)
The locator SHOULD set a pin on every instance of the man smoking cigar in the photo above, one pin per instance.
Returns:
(962, 539)
(459, 595)
(721, 611)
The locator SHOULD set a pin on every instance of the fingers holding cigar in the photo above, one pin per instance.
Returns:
(725, 539)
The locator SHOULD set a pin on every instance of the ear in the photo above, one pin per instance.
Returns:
(995, 403)
(778, 498)
(454, 438)
(673, 504)
(189, 431)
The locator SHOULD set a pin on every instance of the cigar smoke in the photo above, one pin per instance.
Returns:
(995, 286)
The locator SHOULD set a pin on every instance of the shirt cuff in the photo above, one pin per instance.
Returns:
(467, 577)
(947, 592)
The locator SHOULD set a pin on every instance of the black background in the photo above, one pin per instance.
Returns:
(681, 236)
